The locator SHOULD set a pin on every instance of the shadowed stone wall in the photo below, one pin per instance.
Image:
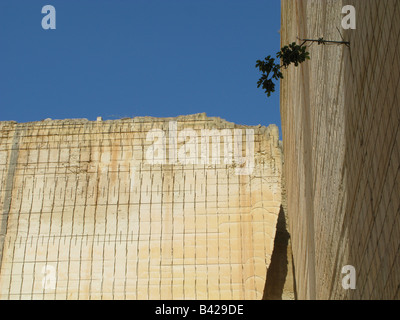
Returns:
(340, 121)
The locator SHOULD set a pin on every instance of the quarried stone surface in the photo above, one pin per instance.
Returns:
(143, 208)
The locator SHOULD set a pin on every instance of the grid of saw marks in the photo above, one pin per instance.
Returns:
(91, 264)
(82, 133)
(61, 244)
(3, 177)
(5, 152)
(36, 217)
(355, 148)
(115, 237)
(374, 129)
(70, 134)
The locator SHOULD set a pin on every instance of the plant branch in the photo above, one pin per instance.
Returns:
(323, 41)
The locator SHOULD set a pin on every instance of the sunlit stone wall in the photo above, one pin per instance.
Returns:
(142, 208)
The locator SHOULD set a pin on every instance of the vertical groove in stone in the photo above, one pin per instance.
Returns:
(9, 185)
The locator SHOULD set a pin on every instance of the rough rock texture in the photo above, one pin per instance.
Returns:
(99, 210)
(340, 122)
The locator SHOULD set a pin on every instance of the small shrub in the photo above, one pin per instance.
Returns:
(292, 53)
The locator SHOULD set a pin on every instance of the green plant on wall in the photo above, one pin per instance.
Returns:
(292, 53)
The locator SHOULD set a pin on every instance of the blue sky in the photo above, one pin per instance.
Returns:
(126, 58)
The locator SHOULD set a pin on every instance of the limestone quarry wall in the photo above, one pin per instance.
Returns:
(341, 139)
(141, 208)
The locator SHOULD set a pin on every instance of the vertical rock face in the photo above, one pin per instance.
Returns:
(340, 126)
(143, 208)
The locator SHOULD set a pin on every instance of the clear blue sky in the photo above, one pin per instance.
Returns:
(126, 58)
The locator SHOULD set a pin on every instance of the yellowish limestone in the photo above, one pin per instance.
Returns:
(104, 210)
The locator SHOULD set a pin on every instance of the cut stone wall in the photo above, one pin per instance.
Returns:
(101, 210)
(340, 123)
